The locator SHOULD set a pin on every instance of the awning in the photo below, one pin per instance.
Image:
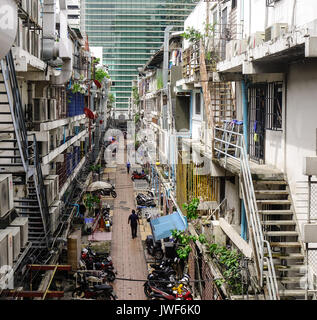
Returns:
(162, 227)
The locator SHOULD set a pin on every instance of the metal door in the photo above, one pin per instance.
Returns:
(257, 109)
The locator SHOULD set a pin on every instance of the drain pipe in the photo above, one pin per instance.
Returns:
(245, 135)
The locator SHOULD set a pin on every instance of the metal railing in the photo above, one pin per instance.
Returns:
(40, 190)
(15, 104)
(239, 152)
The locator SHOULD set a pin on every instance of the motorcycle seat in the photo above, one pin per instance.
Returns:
(102, 287)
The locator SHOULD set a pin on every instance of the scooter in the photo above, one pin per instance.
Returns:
(144, 200)
(109, 191)
(154, 248)
(174, 293)
(99, 292)
(139, 176)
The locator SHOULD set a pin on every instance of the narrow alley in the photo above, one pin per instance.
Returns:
(127, 253)
(195, 120)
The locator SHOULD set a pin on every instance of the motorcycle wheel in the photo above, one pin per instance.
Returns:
(78, 293)
(105, 296)
(114, 194)
(110, 275)
(147, 290)
(158, 255)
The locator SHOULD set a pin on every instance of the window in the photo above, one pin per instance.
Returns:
(274, 106)
(197, 103)
(233, 4)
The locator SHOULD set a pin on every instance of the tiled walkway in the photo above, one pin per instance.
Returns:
(127, 253)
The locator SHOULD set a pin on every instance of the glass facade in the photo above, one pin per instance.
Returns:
(130, 31)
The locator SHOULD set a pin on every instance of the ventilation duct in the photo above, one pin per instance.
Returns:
(65, 48)
(8, 25)
(50, 47)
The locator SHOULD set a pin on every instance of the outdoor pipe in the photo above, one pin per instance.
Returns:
(245, 134)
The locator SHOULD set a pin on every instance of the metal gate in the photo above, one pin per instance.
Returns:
(257, 110)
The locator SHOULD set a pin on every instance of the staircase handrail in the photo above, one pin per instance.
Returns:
(253, 218)
(9, 77)
(40, 189)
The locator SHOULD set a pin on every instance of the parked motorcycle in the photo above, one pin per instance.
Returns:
(108, 222)
(145, 200)
(154, 248)
(109, 191)
(99, 292)
(138, 176)
(169, 292)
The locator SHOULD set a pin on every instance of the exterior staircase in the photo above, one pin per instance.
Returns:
(19, 156)
(280, 229)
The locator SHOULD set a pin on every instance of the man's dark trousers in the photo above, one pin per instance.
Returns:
(134, 227)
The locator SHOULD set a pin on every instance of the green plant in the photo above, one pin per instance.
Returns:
(96, 61)
(136, 96)
(75, 87)
(136, 117)
(159, 82)
(95, 168)
(111, 100)
(100, 74)
(191, 209)
(91, 200)
(229, 261)
(192, 35)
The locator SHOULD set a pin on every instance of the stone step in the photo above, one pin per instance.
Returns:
(273, 201)
(276, 212)
(300, 267)
(278, 223)
(293, 293)
(272, 192)
(279, 182)
(285, 244)
(291, 256)
(289, 280)
(281, 233)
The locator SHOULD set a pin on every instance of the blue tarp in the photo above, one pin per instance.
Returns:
(162, 227)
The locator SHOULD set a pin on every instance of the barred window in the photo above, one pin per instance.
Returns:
(274, 106)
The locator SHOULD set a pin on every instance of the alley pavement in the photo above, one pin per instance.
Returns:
(127, 253)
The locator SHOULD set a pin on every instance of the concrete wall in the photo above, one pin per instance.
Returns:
(301, 129)
(233, 200)
(196, 19)
(255, 18)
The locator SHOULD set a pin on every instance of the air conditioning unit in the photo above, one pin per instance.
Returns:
(39, 113)
(255, 39)
(23, 223)
(6, 248)
(49, 189)
(55, 179)
(52, 110)
(16, 241)
(275, 31)
(6, 194)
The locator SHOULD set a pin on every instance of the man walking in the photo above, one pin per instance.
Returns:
(128, 166)
(133, 220)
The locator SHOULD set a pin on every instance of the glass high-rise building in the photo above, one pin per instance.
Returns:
(130, 31)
